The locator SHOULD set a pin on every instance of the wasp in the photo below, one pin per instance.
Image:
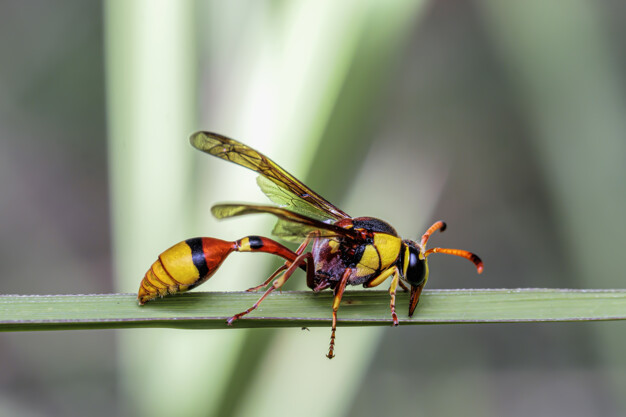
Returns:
(343, 250)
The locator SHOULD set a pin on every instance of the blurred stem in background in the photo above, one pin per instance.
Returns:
(571, 92)
(276, 87)
(150, 65)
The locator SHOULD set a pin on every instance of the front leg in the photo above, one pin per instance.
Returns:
(392, 288)
(392, 293)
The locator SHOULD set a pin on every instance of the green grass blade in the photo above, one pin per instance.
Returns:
(209, 310)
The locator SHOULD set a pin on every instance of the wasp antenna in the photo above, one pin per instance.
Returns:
(440, 225)
(459, 252)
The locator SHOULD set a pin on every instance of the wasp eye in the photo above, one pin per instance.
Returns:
(415, 268)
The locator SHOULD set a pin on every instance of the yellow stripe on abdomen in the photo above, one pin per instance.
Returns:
(177, 261)
(173, 272)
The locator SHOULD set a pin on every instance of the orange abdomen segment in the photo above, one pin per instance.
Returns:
(183, 266)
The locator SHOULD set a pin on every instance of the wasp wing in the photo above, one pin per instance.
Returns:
(288, 200)
(290, 224)
(282, 187)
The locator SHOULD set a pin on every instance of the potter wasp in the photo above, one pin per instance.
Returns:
(344, 250)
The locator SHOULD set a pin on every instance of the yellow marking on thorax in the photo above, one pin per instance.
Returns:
(334, 245)
(379, 255)
(407, 258)
(178, 262)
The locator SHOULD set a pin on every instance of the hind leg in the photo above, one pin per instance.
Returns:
(300, 260)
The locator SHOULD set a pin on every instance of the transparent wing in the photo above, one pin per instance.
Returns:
(279, 185)
(288, 200)
(290, 224)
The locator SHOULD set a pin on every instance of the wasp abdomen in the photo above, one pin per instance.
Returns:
(183, 266)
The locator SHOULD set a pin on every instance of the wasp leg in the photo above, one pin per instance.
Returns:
(392, 293)
(302, 259)
(310, 274)
(404, 287)
(338, 294)
(306, 242)
(267, 281)
(392, 288)
(310, 271)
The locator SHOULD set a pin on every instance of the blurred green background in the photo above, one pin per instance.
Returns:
(506, 119)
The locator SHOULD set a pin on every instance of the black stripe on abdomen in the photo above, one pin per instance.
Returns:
(255, 242)
(197, 255)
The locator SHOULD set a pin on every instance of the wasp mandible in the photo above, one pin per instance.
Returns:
(344, 250)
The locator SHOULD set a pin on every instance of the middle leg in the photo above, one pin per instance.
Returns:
(336, 301)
